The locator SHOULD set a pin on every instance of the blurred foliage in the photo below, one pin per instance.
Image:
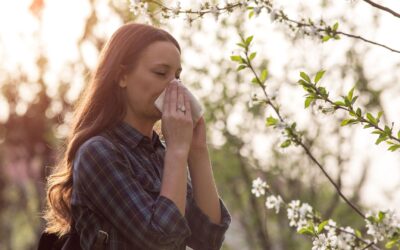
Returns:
(30, 140)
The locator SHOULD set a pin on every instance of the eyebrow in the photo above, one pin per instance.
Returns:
(167, 65)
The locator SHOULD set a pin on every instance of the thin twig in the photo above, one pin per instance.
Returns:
(368, 41)
(383, 8)
(345, 34)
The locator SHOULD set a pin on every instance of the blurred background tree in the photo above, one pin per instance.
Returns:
(37, 100)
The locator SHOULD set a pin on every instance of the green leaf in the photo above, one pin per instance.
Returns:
(335, 26)
(379, 115)
(241, 67)
(241, 45)
(394, 147)
(321, 226)
(254, 80)
(371, 118)
(248, 40)
(398, 134)
(348, 121)
(347, 101)
(380, 139)
(391, 243)
(359, 112)
(286, 143)
(236, 58)
(322, 91)
(344, 122)
(337, 37)
(319, 75)
(308, 101)
(350, 94)
(354, 99)
(305, 77)
(326, 38)
(264, 75)
(251, 13)
(306, 231)
(271, 121)
(252, 55)
(381, 215)
(339, 103)
(358, 233)
(388, 130)
(307, 86)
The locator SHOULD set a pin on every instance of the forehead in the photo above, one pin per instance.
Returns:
(161, 52)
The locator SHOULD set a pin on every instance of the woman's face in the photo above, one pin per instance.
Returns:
(158, 64)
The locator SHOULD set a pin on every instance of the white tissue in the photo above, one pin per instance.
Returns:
(197, 110)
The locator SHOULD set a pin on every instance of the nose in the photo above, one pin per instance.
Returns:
(174, 80)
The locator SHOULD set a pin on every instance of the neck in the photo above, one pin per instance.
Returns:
(144, 126)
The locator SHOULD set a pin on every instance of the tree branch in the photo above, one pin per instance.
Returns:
(298, 140)
(383, 8)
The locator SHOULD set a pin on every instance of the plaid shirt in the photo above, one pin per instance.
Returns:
(123, 198)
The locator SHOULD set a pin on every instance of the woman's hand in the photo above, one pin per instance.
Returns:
(177, 126)
(199, 140)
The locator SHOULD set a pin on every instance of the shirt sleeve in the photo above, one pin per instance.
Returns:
(206, 235)
(114, 192)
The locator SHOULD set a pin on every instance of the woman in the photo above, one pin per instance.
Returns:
(118, 185)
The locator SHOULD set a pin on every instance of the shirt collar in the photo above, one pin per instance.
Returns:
(127, 133)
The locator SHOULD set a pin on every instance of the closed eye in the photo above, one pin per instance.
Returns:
(163, 74)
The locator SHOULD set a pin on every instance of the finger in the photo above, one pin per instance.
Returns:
(173, 98)
(181, 98)
(187, 104)
(167, 99)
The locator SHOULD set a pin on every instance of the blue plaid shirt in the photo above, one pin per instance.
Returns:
(123, 198)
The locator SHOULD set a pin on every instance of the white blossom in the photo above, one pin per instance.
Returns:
(250, 104)
(138, 8)
(273, 94)
(215, 12)
(253, 100)
(177, 8)
(259, 187)
(314, 31)
(324, 242)
(298, 215)
(331, 226)
(346, 241)
(274, 202)
(273, 15)
(281, 125)
(257, 10)
(320, 242)
(384, 228)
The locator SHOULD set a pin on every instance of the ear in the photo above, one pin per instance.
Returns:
(122, 82)
(123, 77)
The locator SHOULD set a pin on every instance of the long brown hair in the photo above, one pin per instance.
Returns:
(100, 106)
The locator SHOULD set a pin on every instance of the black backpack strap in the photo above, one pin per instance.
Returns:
(47, 241)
